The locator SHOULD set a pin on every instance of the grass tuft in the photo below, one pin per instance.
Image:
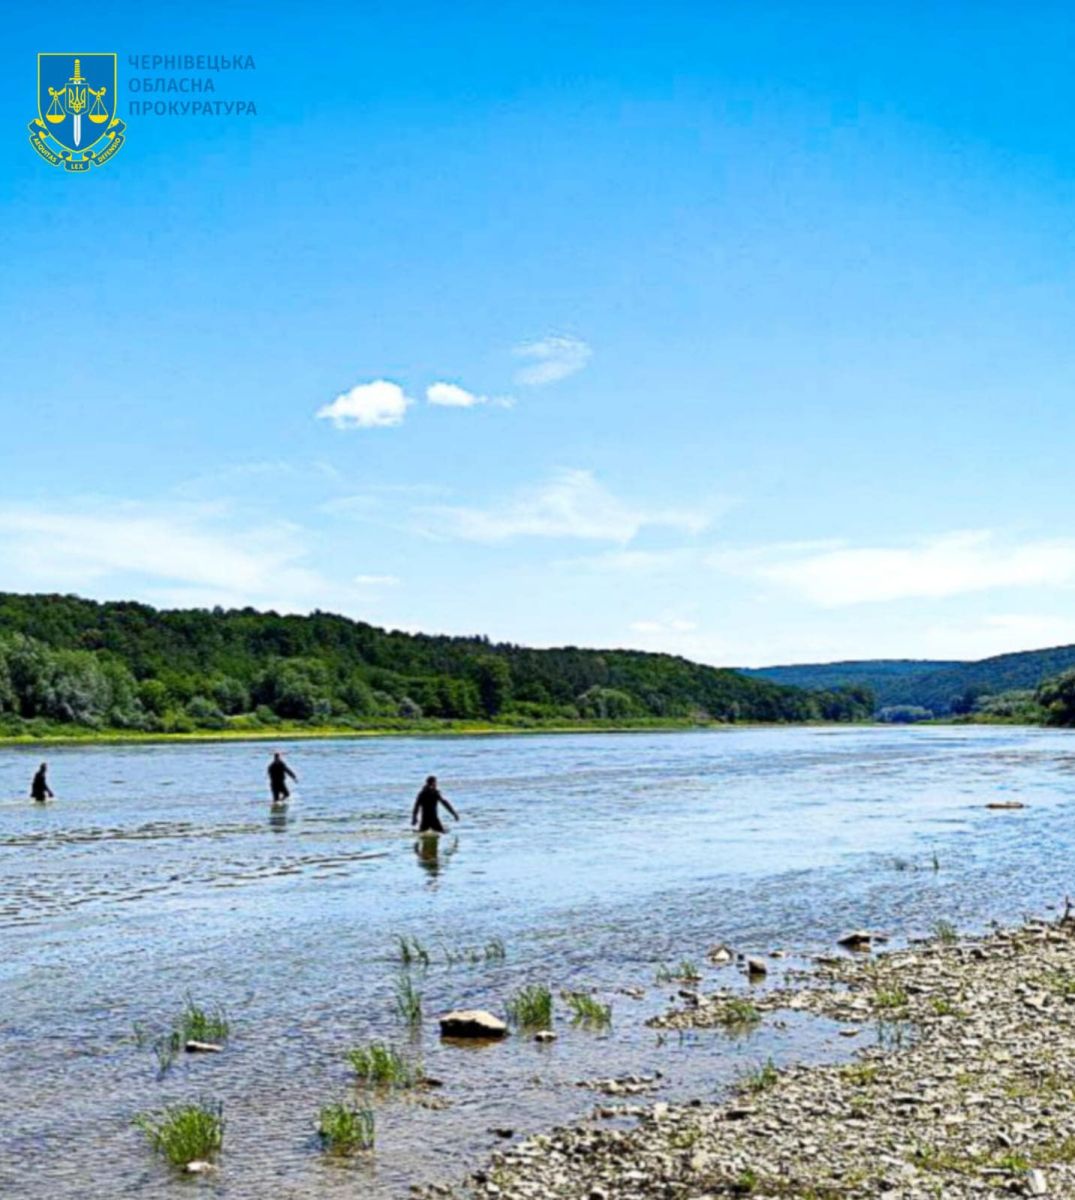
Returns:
(408, 1001)
(411, 951)
(531, 1008)
(745, 1182)
(946, 932)
(761, 1079)
(889, 998)
(943, 1007)
(861, 1073)
(686, 972)
(588, 1011)
(1062, 982)
(737, 1013)
(382, 1065)
(494, 951)
(344, 1129)
(185, 1133)
(193, 1024)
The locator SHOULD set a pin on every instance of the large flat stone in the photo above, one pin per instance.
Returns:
(472, 1023)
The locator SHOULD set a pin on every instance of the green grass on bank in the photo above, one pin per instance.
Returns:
(53, 734)
(40, 733)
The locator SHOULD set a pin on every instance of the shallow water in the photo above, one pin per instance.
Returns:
(159, 871)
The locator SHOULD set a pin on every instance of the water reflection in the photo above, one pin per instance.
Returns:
(431, 857)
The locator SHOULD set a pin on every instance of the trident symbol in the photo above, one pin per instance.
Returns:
(76, 100)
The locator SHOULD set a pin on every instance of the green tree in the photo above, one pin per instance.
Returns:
(296, 689)
(229, 694)
(607, 704)
(493, 677)
(205, 713)
(1057, 697)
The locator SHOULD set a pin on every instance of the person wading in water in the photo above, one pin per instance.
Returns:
(279, 772)
(39, 788)
(425, 807)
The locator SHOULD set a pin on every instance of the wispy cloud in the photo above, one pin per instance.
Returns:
(947, 565)
(637, 562)
(451, 395)
(367, 406)
(550, 359)
(572, 504)
(182, 555)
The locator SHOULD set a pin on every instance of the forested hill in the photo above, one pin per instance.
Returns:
(126, 665)
(942, 687)
(956, 688)
(880, 675)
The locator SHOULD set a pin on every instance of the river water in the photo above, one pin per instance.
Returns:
(159, 872)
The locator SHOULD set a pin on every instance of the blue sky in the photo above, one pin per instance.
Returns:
(742, 331)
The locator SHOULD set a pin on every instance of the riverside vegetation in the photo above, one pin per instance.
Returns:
(70, 666)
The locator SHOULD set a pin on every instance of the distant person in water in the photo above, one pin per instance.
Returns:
(39, 788)
(425, 808)
(279, 772)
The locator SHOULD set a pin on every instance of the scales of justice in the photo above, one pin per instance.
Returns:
(73, 96)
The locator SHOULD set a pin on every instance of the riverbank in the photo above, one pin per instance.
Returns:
(285, 731)
(966, 1091)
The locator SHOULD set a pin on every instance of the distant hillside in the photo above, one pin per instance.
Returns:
(878, 674)
(953, 688)
(64, 660)
(942, 687)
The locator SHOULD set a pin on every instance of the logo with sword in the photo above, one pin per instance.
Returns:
(76, 125)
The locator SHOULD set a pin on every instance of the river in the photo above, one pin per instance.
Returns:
(159, 872)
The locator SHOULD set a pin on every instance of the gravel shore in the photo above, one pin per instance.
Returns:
(968, 1090)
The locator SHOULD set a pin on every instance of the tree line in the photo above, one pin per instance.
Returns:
(127, 666)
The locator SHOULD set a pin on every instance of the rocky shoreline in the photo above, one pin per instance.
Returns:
(967, 1090)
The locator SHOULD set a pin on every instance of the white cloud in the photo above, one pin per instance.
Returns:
(550, 359)
(181, 556)
(367, 405)
(572, 504)
(451, 395)
(949, 565)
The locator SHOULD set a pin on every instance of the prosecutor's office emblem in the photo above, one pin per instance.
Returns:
(76, 125)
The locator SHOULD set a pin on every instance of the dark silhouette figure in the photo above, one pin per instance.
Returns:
(424, 814)
(279, 772)
(39, 788)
